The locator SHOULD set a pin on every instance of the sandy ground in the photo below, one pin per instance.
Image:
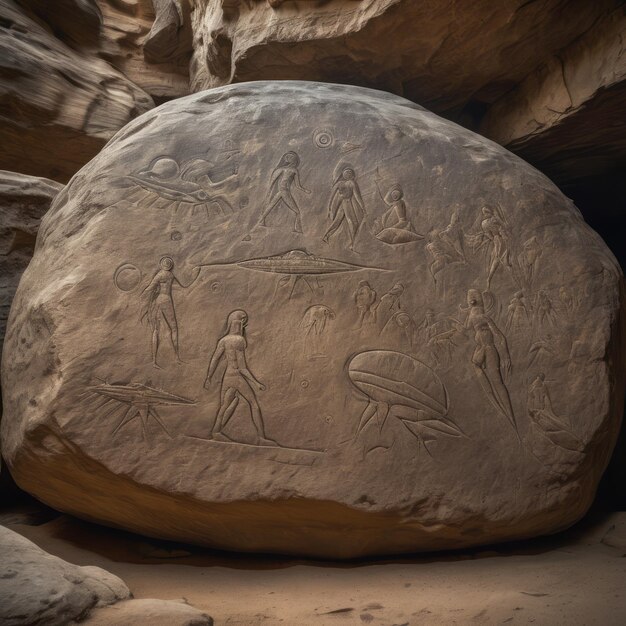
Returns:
(575, 578)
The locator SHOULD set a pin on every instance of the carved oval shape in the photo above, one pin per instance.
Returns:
(291, 316)
(396, 378)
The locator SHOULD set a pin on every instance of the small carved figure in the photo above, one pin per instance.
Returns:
(452, 235)
(494, 236)
(491, 359)
(315, 319)
(541, 352)
(517, 313)
(389, 305)
(544, 310)
(400, 326)
(394, 226)
(282, 180)
(237, 381)
(365, 298)
(159, 306)
(528, 259)
(544, 418)
(345, 206)
(443, 253)
(567, 299)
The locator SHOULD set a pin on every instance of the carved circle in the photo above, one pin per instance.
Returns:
(176, 235)
(127, 277)
(216, 287)
(323, 138)
(304, 383)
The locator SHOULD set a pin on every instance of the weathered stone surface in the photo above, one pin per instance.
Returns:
(38, 588)
(442, 55)
(149, 41)
(58, 107)
(314, 319)
(23, 201)
(152, 612)
(568, 115)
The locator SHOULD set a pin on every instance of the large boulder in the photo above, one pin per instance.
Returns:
(313, 319)
(38, 588)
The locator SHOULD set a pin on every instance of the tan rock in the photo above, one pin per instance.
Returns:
(152, 612)
(38, 588)
(23, 201)
(314, 319)
(58, 107)
(572, 105)
(441, 55)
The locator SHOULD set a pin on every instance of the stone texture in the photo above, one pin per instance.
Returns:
(152, 612)
(58, 107)
(442, 55)
(568, 114)
(149, 42)
(314, 319)
(38, 588)
(23, 201)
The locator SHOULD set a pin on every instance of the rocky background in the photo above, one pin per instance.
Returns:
(544, 78)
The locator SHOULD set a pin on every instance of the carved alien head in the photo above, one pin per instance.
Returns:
(236, 322)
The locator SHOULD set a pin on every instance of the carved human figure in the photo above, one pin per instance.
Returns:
(452, 235)
(365, 298)
(567, 299)
(442, 251)
(491, 359)
(284, 176)
(389, 305)
(494, 235)
(544, 309)
(159, 306)
(540, 411)
(517, 312)
(237, 381)
(394, 226)
(528, 259)
(345, 206)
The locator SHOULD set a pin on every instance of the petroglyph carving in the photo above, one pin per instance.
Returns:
(365, 300)
(547, 427)
(323, 138)
(544, 311)
(135, 400)
(404, 388)
(518, 315)
(445, 246)
(127, 277)
(237, 381)
(494, 239)
(491, 359)
(159, 307)
(528, 259)
(313, 323)
(183, 185)
(346, 205)
(394, 226)
(389, 305)
(283, 178)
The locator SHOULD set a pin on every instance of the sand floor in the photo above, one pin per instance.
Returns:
(575, 578)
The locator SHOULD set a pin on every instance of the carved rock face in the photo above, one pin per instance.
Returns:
(313, 319)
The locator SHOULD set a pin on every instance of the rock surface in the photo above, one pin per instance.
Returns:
(38, 588)
(568, 114)
(23, 201)
(314, 319)
(152, 612)
(441, 55)
(58, 107)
